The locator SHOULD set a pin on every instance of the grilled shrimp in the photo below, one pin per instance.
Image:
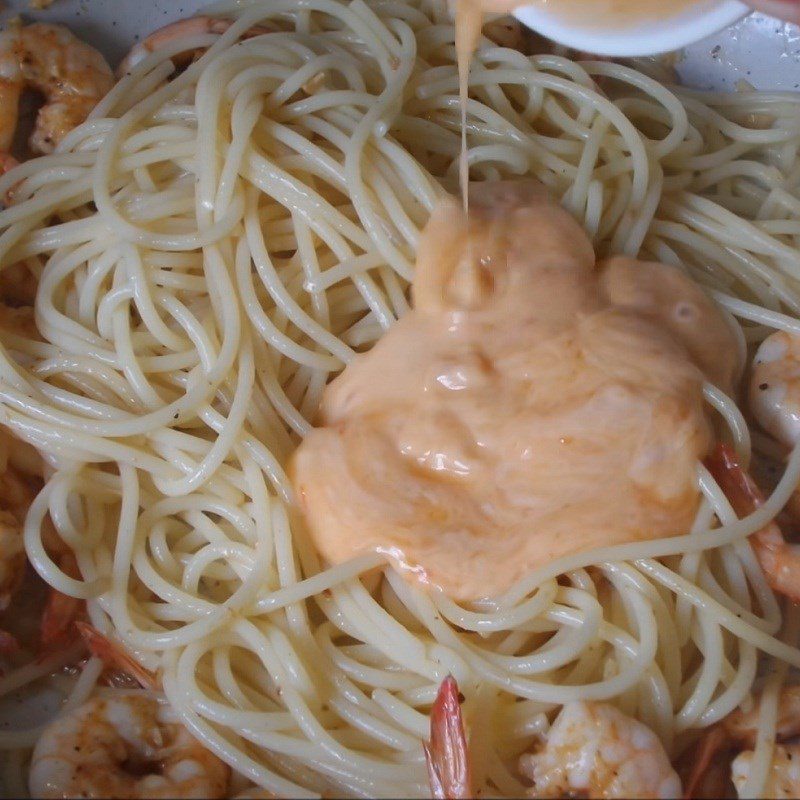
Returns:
(781, 564)
(195, 26)
(71, 75)
(595, 750)
(123, 746)
(737, 732)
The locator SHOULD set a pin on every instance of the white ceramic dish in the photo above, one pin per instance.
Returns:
(758, 49)
(645, 38)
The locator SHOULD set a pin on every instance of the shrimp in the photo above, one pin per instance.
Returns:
(596, 750)
(737, 731)
(446, 753)
(592, 750)
(775, 386)
(195, 26)
(780, 563)
(783, 780)
(72, 76)
(124, 745)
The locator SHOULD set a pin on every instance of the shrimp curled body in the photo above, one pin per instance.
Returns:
(123, 747)
(72, 76)
(595, 750)
(775, 386)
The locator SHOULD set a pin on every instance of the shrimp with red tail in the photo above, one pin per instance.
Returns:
(446, 753)
(781, 564)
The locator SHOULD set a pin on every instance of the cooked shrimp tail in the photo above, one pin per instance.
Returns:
(738, 486)
(780, 563)
(446, 753)
(709, 747)
(60, 612)
(737, 732)
(113, 656)
(594, 750)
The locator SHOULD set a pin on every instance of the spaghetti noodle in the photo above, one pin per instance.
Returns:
(214, 245)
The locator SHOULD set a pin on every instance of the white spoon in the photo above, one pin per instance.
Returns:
(647, 37)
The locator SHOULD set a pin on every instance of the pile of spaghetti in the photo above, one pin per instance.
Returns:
(217, 242)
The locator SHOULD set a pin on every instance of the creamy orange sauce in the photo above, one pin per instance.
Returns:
(532, 405)
(468, 25)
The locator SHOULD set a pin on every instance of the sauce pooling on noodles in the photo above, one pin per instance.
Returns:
(533, 404)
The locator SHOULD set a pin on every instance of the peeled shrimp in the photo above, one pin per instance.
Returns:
(49, 59)
(195, 26)
(595, 750)
(592, 750)
(123, 746)
(783, 779)
(775, 386)
(780, 563)
(737, 732)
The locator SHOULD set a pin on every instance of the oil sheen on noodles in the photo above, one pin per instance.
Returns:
(215, 248)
